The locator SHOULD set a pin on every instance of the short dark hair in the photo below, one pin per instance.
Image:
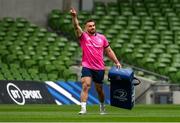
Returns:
(89, 20)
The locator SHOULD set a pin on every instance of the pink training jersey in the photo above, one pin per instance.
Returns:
(93, 50)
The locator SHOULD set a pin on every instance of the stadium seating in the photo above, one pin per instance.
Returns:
(143, 33)
(29, 52)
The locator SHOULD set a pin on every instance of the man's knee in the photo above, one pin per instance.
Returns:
(86, 83)
(86, 87)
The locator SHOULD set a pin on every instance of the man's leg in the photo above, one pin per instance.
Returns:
(100, 92)
(86, 83)
(99, 89)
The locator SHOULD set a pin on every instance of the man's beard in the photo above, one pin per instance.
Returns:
(92, 31)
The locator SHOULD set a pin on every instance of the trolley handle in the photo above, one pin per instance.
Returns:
(138, 81)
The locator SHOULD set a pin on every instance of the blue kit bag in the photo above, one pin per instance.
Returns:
(122, 91)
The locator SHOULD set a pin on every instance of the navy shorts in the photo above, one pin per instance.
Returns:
(97, 75)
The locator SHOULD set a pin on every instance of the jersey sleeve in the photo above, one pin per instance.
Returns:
(81, 38)
(106, 43)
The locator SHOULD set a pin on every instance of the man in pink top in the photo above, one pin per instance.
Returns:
(93, 47)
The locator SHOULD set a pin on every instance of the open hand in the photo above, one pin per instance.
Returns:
(73, 12)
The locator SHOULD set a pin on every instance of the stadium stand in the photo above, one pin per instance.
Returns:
(143, 33)
(29, 52)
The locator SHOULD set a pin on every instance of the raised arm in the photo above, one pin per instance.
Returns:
(75, 21)
(110, 53)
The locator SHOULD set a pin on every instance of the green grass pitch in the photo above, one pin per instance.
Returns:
(69, 113)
